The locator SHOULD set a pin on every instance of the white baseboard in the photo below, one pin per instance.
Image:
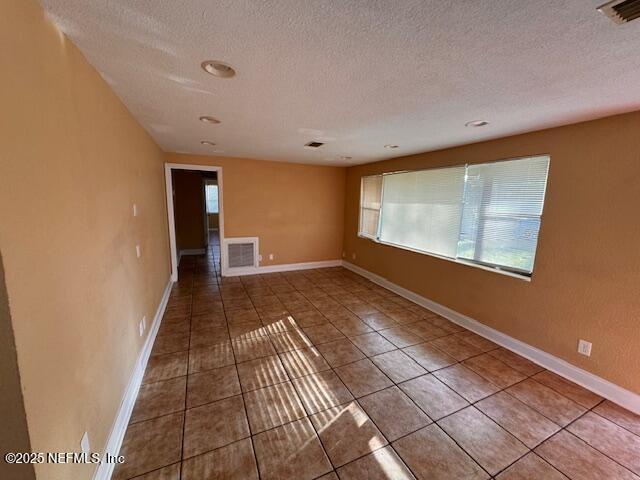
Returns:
(604, 388)
(114, 441)
(193, 251)
(286, 267)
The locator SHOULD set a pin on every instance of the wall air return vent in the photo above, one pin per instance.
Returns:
(313, 144)
(621, 11)
(240, 256)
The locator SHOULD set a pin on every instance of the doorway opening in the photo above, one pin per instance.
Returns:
(195, 213)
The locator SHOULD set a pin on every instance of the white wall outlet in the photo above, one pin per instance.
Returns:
(138, 251)
(84, 443)
(144, 322)
(135, 210)
(584, 347)
(259, 258)
(271, 256)
(141, 327)
(353, 256)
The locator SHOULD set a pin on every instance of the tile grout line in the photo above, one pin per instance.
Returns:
(309, 415)
(186, 385)
(244, 403)
(355, 400)
(529, 450)
(393, 383)
(566, 429)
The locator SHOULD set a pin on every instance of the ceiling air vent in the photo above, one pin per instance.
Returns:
(621, 11)
(313, 144)
(240, 255)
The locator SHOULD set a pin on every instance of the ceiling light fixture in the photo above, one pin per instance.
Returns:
(207, 142)
(211, 120)
(476, 123)
(389, 145)
(218, 69)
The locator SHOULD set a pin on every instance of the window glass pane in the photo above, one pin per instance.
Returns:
(372, 190)
(369, 221)
(502, 208)
(422, 210)
(370, 205)
(212, 198)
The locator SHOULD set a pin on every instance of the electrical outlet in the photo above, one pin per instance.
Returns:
(84, 443)
(141, 327)
(353, 256)
(144, 322)
(135, 210)
(271, 256)
(584, 348)
(259, 258)
(138, 251)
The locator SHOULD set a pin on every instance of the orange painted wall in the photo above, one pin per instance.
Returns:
(72, 163)
(296, 210)
(587, 270)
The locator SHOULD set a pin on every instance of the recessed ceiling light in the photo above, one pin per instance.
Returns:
(207, 142)
(476, 123)
(207, 119)
(391, 146)
(218, 69)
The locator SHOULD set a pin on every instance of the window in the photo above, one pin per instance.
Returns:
(371, 190)
(487, 214)
(422, 210)
(501, 214)
(212, 198)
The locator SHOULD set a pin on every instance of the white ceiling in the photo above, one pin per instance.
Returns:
(356, 74)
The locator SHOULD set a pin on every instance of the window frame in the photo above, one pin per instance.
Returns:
(500, 269)
(360, 208)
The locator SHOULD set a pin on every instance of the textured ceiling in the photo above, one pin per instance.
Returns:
(355, 74)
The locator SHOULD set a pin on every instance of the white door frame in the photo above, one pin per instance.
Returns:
(168, 167)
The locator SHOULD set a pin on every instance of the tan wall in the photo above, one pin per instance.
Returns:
(587, 270)
(188, 201)
(296, 210)
(72, 163)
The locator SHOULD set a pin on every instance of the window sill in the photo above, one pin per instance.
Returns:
(525, 278)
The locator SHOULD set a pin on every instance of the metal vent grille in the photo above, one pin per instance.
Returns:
(621, 11)
(241, 255)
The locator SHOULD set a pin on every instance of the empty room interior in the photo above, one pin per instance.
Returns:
(270, 240)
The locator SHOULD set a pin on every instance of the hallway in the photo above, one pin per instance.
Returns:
(318, 373)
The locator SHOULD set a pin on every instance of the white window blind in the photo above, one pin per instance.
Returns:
(422, 210)
(371, 192)
(486, 213)
(212, 198)
(501, 219)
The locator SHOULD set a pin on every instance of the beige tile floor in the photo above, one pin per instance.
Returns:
(323, 374)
